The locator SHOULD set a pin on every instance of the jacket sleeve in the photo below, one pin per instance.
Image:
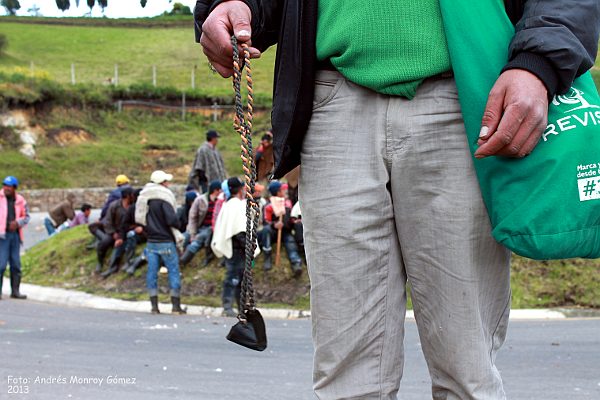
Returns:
(69, 212)
(557, 40)
(170, 215)
(24, 220)
(266, 19)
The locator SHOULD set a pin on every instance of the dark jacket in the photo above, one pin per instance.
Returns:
(159, 221)
(114, 217)
(555, 39)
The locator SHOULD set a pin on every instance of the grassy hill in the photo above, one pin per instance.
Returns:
(564, 283)
(96, 49)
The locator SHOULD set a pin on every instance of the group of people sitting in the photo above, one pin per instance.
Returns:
(212, 223)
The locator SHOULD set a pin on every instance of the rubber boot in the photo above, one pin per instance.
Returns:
(209, 257)
(129, 253)
(15, 283)
(186, 257)
(176, 301)
(113, 267)
(268, 262)
(297, 269)
(154, 302)
(1, 280)
(228, 308)
(135, 264)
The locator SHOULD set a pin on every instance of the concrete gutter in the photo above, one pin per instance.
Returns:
(73, 298)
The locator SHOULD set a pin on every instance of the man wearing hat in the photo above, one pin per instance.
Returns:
(122, 182)
(208, 164)
(199, 225)
(155, 210)
(277, 217)
(264, 157)
(14, 215)
(229, 240)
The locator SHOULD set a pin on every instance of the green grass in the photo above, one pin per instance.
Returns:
(62, 261)
(131, 142)
(96, 49)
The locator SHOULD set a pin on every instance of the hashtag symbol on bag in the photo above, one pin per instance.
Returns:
(589, 188)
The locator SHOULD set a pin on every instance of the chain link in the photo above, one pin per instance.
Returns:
(243, 126)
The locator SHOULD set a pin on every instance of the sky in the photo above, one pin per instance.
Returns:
(115, 9)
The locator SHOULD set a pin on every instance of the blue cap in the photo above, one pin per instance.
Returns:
(274, 187)
(11, 181)
(214, 185)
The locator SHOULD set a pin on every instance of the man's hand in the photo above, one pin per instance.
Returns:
(228, 17)
(13, 226)
(278, 225)
(515, 116)
(118, 243)
(139, 230)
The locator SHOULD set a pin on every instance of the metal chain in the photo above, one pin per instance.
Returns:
(243, 125)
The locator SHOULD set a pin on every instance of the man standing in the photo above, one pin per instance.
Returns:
(199, 226)
(155, 210)
(229, 240)
(14, 215)
(264, 157)
(62, 212)
(208, 164)
(364, 97)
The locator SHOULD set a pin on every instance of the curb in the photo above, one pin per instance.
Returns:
(74, 298)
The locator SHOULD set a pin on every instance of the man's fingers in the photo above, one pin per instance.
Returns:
(240, 21)
(493, 112)
(507, 129)
(532, 127)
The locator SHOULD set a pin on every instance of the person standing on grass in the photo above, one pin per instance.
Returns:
(14, 215)
(208, 164)
(365, 99)
(155, 210)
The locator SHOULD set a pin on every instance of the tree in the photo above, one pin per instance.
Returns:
(91, 4)
(11, 6)
(143, 3)
(103, 4)
(63, 5)
(180, 9)
(34, 10)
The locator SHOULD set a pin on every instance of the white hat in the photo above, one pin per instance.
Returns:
(160, 177)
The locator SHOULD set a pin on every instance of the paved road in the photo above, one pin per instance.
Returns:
(188, 357)
(35, 231)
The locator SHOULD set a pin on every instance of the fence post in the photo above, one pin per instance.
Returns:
(194, 78)
(116, 82)
(215, 114)
(154, 75)
(72, 73)
(183, 106)
(120, 106)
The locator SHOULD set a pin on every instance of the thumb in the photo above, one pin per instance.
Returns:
(240, 21)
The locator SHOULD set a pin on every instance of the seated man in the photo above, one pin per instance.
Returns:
(109, 235)
(199, 226)
(122, 182)
(277, 217)
(82, 217)
(60, 214)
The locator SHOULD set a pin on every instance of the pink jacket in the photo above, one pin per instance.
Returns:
(21, 213)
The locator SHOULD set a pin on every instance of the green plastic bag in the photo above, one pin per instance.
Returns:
(546, 205)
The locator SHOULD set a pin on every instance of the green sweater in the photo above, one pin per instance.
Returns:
(389, 46)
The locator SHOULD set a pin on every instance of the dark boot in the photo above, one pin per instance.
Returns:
(176, 301)
(209, 257)
(1, 280)
(135, 264)
(98, 268)
(297, 269)
(15, 282)
(228, 308)
(154, 302)
(268, 263)
(129, 253)
(186, 257)
(113, 268)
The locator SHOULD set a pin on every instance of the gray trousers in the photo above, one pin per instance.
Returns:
(389, 195)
